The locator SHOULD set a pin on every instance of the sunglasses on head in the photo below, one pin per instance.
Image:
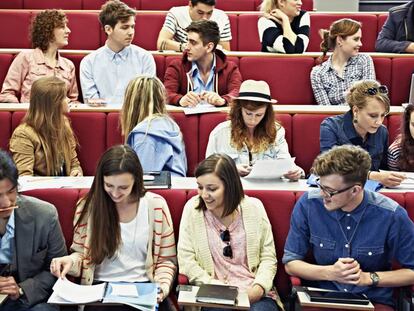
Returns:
(225, 237)
(375, 90)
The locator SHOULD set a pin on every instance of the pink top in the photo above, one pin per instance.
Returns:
(234, 271)
(31, 65)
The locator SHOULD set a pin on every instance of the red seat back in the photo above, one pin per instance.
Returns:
(14, 27)
(248, 35)
(56, 4)
(5, 133)
(5, 62)
(402, 69)
(85, 31)
(147, 28)
(96, 4)
(394, 126)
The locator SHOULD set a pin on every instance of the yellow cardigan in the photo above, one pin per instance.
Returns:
(161, 263)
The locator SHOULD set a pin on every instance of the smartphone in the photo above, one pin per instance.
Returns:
(337, 297)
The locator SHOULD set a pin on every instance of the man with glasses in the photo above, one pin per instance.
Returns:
(30, 236)
(354, 234)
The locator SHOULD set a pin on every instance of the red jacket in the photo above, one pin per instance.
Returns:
(177, 84)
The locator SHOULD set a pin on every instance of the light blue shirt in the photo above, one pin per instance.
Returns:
(6, 242)
(198, 83)
(106, 74)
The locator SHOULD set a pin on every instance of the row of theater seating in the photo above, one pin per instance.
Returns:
(96, 131)
(227, 5)
(278, 204)
(87, 34)
(288, 77)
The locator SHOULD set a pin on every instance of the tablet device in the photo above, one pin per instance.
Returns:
(337, 297)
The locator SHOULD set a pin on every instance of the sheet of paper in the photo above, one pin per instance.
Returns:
(271, 169)
(124, 290)
(79, 294)
(36, 182)
(201, 108)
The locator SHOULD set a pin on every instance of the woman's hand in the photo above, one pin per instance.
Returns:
(75, 173)
(388, 179)
(160, 296)
(294, 174)
(278, 16)
(255, 293)
(60, 266)
(243, 169)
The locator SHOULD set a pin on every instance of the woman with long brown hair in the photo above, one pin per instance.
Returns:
(251, 133)
(121, 232)
(346, 65)
(44, 144)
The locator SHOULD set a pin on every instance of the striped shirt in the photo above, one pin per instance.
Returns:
(329, 88)
(178, 19)
(393, 156)
(272, 39)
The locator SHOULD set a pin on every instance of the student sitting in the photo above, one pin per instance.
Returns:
(121, 232)
(284, 28)
(251, 133)
(401, 151)
(149, 130)
(44, 144)
(49, 33)
(362, 126)
(226, 237)
(346, 65)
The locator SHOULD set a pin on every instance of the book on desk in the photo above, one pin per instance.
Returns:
(157, 180)
(220, 294)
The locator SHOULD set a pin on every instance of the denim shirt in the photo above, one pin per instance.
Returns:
(6, 242)
(199, 85)
(339, 130)
(377, 232)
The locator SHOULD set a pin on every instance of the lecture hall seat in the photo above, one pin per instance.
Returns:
(5, 132)
(402, 70)
(96, 4)
(85, 31)
(15, 29)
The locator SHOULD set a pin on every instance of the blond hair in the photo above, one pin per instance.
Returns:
(46, 117)
(358, 94)
(145, 98)
(268, 5)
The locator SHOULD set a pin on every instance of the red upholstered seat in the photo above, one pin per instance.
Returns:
(402, 69)
(236, 5)
(207, 123)
(56, 4)
(160, 64)
(161, 5)
(85, 31)
(76, 59)
(288, 78)
(14, 27)
(147, 28)
(305, 139)
(323, 21)
(11, 4)
(65, 201)
(5, 132)
(96, 4)
(286, 120)
(383, 71)
(113, 130)
(248, 36)
(5, 62)
(17, 117)
(90, 130)
(394, 124)
(234, 26)
(381, 20)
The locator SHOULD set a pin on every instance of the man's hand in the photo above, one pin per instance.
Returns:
(190, 99)
(213, 98)
(8, 286)
(345, 270)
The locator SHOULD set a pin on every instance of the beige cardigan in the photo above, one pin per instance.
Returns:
(161, 263)
(194, 255)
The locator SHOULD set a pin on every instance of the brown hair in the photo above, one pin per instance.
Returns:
(208, 31)
(114, 11)
(406, 160)
(145, 96)
(357, 95)
(351, 162)
(224, 168)
(264, 133)
(46, 117)
(341, 28)
(43, 26)
(99, 208)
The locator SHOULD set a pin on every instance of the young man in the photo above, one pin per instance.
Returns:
(203, 73)
(30, 236)
(105, 73)
(173, 34)
(354, 234)
(397, 34)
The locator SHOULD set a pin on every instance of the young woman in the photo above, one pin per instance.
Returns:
(49, 33)
(121, 232)
(226, 237)
(331, 79)
(251, 133)
(284, 28)
(362, 126)
(401, 151)
(148, 128)
(44, 144)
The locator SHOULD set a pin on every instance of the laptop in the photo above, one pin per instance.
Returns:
(411, 98)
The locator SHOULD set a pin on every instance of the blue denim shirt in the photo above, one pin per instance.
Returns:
(381, 230)
(199, 85)
(6, 242)
(339, 130)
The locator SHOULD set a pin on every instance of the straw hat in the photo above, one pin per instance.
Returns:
(258, 91)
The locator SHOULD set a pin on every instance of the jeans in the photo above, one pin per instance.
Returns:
(16, 305)
(264, 304)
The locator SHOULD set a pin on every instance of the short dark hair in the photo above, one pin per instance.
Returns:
(207, 30)
(43, 26)
(114, 11)
(8, 169)
(225, 169)
(206, 2)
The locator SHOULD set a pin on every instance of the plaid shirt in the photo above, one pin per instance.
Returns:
(329, 88)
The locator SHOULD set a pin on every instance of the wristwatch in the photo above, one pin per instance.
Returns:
(374, 278)
(21, 292)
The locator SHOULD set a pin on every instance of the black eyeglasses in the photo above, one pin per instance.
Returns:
(374, 90)
(225, 237)
(331, 193)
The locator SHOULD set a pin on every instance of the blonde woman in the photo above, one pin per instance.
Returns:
(148, 128)
(284, 28)
(44, 144)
